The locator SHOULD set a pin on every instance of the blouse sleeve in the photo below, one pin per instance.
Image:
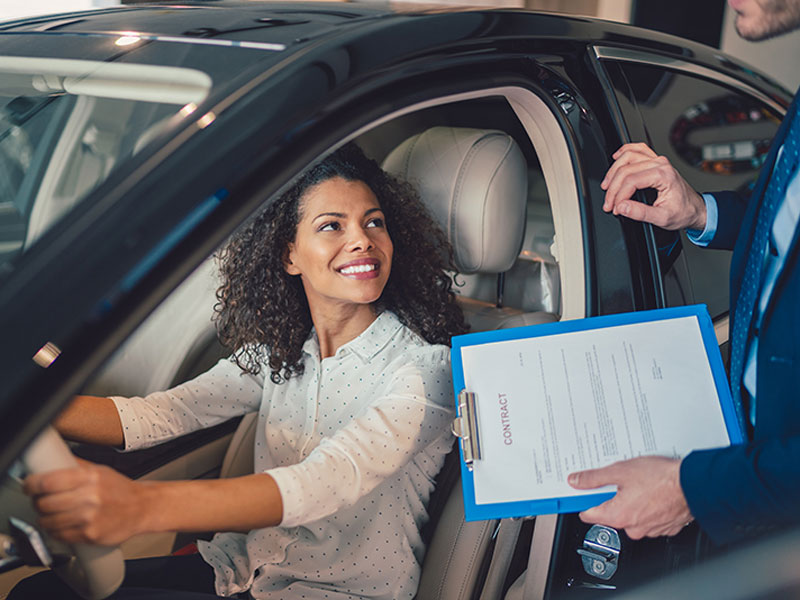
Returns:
(222, 392)
(414, 412)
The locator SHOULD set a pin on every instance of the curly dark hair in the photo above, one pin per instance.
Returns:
(262, 311)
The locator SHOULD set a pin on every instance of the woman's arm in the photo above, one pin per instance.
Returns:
(91, 420)
(95, 504)
(215, 396)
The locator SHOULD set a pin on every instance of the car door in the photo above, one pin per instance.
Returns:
(717, 132)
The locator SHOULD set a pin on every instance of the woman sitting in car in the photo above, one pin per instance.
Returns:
(338, 299)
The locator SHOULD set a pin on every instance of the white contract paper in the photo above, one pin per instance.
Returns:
(551, 405)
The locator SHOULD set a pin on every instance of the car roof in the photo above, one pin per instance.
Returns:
(292, 26)
(291, 23)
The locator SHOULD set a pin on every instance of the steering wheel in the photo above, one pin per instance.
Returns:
(93, 572)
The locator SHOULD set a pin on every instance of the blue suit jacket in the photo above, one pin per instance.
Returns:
(749, 489)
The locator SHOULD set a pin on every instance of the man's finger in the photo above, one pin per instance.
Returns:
(625, 160)
(629, 178)
(593, 478)
(591, 516)
(602, 514)
(63, 520)
(637, 533)
(61, 501)
(639, 211)
(634, 147)
(70, 535)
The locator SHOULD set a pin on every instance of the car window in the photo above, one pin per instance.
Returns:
(144, 364)
(74, 108)
(65, 124)
(718, 138)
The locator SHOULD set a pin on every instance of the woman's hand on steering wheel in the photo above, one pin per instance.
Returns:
(93, 571)
(89, 503)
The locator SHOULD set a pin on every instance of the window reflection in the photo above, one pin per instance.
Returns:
(66, 123)
(724, 135)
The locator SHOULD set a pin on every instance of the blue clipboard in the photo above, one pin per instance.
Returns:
(465, 426)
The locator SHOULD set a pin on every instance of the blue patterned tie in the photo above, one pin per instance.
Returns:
(782, 173)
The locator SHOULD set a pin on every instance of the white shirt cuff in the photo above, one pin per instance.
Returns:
(134, 432)
(703, 238)
(292, 493)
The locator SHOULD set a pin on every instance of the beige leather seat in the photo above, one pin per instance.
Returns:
(475, 183)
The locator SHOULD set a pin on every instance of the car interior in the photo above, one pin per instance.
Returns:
(485, 176)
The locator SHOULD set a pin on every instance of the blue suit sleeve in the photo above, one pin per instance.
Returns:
(731, 208)
(743, 490)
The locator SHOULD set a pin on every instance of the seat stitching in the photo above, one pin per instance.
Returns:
(462, 175)
(474, 555)
(488, 187)
(409, 152)
(450, 557)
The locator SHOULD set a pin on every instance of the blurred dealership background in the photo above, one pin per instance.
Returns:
(707, 21)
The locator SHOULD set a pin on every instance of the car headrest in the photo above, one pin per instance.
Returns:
(475, 183)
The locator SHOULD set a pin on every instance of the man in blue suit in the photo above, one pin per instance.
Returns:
(748, 489)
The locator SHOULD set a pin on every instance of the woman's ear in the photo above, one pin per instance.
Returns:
(288, 263)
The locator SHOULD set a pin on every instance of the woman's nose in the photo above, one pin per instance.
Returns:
(359, 239)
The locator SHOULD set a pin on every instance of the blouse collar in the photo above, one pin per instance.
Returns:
(367, 344)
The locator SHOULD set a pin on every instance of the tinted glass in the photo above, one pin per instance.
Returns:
(74, 108)
(56, 149)
(718, 139)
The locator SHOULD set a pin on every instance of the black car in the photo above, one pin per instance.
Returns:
(135, 140)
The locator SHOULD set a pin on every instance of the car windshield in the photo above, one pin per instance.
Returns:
(64, 125)
(74, 109)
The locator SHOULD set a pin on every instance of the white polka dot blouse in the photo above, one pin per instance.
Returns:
(353, 443)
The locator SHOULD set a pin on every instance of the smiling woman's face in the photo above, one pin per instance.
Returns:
(342, 250)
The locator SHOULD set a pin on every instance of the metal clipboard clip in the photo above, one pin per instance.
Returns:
(465, 428)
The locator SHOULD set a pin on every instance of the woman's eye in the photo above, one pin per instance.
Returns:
(330, 227)
(376, 222)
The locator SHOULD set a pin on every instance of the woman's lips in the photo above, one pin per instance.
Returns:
(365, 268)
